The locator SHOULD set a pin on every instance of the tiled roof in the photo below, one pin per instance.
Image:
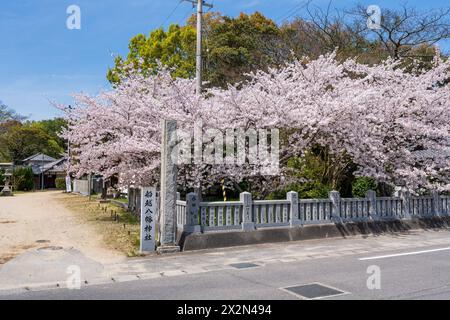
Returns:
(49, 166)
(39, 157)
(54, 164)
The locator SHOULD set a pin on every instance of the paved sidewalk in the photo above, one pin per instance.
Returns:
(48, 268)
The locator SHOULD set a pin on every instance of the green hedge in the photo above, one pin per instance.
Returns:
(363, 184)
(60, 183)
(23, 179)
(2, 177)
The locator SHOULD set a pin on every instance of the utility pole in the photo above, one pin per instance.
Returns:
(42, 172)
(199, 63)
(199, 66)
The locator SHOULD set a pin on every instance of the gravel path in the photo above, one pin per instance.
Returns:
(37, 219)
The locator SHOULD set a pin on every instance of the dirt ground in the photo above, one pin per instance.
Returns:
(39, 219)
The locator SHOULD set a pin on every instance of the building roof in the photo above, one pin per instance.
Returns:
(55, 165)
(52, 166)
(39, 157)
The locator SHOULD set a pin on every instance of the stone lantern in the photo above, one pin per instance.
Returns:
(7, 190)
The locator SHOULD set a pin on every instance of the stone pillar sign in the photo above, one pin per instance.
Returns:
(192, 213)
(148, 217)
(168, 193)
(68, 184)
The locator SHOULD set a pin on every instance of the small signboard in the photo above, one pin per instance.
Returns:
(68, 184)
(148, 218)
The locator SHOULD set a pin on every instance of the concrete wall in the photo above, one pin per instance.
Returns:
(81, 187)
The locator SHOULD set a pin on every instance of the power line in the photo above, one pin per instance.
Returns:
(212, 5)
(185, 16)
(171, 13)
(292, 11)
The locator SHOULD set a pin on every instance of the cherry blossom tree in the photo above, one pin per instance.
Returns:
(372, 116)
(117, 133)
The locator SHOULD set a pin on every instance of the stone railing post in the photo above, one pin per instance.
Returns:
(247, 217)
(192, 209)
(335, 198)
(406, 198)
(294, 219)
(437, 204)
(371, 196)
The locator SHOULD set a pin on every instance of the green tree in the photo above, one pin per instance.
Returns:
(52, 127)
(174, 48)
(2, 177)
(6, 127)
(316, 173)
(363, 184)
(237, 46)
(23, 141)
(60, 183)
(23, 179)
(232, 48)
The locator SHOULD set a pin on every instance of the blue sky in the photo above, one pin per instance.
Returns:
(41, 60)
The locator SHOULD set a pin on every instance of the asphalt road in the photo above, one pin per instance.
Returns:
(410, 273)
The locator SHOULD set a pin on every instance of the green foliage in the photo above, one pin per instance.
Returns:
(52, 127)
(307, 190)
(2, 177)
(19, 141)
(233, 47)
(60, 183)
(237, 46)
(24, 141)
(174, 48)
(318, 172)
(363, 184)
(23, 179)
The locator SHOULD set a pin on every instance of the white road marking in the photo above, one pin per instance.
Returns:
(404, 254)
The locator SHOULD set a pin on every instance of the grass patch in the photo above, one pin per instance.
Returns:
(122, 200)
(119, 229)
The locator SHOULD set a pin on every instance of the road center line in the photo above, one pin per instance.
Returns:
(404, 254)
